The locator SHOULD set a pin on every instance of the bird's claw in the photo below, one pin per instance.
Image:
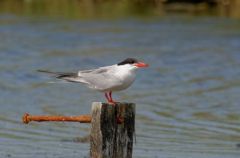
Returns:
(113, 103)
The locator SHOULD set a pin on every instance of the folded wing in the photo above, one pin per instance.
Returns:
(101, 79)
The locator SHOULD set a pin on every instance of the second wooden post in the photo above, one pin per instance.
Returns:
(109, 139)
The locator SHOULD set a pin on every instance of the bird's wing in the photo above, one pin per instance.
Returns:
(95, 71)
(102, 78)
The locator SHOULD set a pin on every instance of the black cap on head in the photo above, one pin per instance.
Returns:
(128, 61)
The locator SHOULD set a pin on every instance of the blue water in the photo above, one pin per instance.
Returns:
(187, 100)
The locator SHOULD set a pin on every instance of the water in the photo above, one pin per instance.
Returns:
(187, 100)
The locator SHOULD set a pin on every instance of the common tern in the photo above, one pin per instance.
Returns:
(105, 79)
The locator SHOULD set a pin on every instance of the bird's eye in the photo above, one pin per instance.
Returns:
(132, 62)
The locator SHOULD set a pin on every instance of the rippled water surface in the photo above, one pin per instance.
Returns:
(188, 100)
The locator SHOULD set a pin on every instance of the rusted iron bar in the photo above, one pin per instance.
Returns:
(44, 118)
(82, 118)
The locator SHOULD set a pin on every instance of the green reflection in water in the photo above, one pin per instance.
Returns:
(88, 9)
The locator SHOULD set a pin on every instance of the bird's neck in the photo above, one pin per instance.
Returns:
(125, 71)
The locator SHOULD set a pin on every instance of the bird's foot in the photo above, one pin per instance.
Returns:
(113, 103)
(109, 98)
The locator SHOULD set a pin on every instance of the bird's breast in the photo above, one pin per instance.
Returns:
(125, 81)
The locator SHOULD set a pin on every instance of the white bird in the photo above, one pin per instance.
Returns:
(105, 79)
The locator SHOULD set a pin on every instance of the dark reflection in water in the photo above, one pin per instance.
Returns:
(187, 100)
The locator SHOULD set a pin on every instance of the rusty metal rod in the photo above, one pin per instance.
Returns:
(40, 118)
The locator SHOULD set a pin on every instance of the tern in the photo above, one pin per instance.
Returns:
(105, 79)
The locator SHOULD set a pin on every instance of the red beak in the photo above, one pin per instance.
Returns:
(140, 64)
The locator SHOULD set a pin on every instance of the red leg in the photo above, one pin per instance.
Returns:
(111, 101)
(110, 98)
(106, 95)
(110, 95)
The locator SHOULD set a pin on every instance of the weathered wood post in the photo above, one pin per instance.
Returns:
(108, 139)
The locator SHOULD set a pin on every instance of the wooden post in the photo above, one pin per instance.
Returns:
(109, 139)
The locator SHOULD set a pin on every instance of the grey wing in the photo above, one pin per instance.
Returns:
(101, 79)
